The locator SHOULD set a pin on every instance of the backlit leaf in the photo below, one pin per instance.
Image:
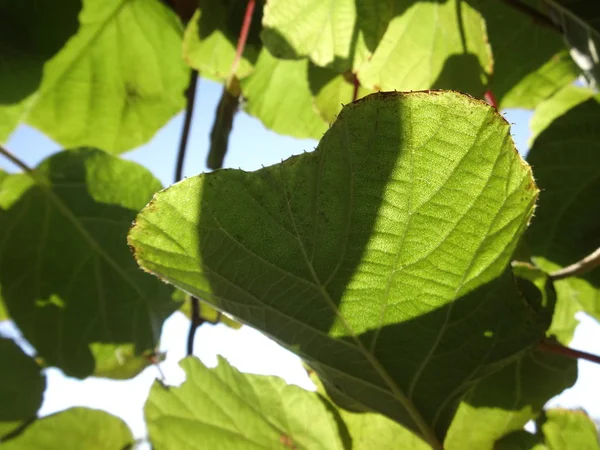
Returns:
(381, 258)
(222, 408)
(74, 429)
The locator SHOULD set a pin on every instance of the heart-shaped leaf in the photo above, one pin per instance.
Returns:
(381, 258)
(66, 276)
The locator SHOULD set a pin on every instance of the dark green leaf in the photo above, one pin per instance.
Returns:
(565, 228)
(507, 400)
(380, 258)
(530, 61)
(31, 32)
(580, 22)
(68, 280)
(222, 408)
(223, 122)
(22, 387)
(74, 429)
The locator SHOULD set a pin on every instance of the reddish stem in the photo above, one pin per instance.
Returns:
(551, 347)
(242, 39)
(490, 98)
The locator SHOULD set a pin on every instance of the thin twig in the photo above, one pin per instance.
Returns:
(490, 98)
(190, 96)
(588, 263)
(536, 15)
(552, 347)
(16, 161)
(241, 45)
(356, 85)
(195, 322)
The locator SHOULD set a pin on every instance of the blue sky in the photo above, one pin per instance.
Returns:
(251, 145)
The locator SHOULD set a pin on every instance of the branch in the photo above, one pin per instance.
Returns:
(552, 347)
(241, 45)
(16, 161)
(356, 85)
(190, 96)
(588, 263)
(536, 16)
(490, 98)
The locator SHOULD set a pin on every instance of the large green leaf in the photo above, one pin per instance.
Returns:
(222, 408)
(31, 32)
(334, 33)
(380, 258)
(74, 429)
(68, 280)
(566, 158)
(210, 40)
(21, 387)
(278, 93)
(530, 61)
(117, 81)
(431, 45)
(507, 400)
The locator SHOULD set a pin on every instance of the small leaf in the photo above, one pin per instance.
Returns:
(279, 95)
(22, 387)
(74, 429)
(117, 81)
(388, 243)
(441, 45)
(530, 62)
(565, 227)
(507, 400)
(68, 280)
(222, 408)
(210, 39)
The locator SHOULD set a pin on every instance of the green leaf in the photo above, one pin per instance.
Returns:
(565, 430)
(22, 387)
(225, 409)
(222, 125)
(31, 32)
(565, 228)
(557, 105)
(117, 81)
(68, 280)
(331, 91)
(341, 34)
(580, 23)
(380, 258)
(278, 93)
(210, 39)
(507, 400)
(74, 429)
(530, 61)
(439, 45)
